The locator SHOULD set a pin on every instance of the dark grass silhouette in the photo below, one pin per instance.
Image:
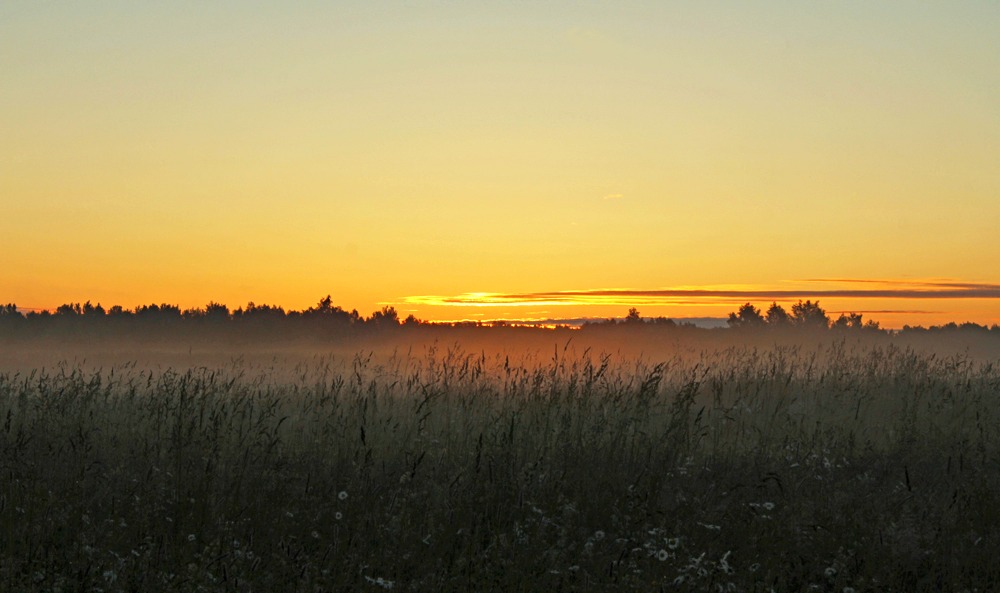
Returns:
(830, 469)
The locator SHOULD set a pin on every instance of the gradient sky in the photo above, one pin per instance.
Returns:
(397, 153)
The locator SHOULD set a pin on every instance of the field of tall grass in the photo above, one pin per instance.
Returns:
(827, 468)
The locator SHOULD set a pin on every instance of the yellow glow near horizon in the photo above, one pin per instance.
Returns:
(187, 153)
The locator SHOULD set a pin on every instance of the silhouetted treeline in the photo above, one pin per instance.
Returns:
(809, 315)
(88, 320)
(323, 319)
(804, 316)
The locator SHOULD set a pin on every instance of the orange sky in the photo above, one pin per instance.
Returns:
(184, 153)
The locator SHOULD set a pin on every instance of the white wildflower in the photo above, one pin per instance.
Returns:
(342, 495)
(662, 555)
(191, 537)
(384, 583)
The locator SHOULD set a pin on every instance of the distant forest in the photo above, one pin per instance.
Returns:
(324, 318)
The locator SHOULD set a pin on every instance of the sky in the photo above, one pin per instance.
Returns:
(444, 157)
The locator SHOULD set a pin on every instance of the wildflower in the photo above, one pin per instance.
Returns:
(662, 555)
(598, 535)
(724, 563)
(191, 537)
(384, 583)
(315, 535)
(338, 515)
(673, 543)
(830, 572)
(768, 506)
(342, 495)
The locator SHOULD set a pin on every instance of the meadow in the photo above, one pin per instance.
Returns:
(829, 466)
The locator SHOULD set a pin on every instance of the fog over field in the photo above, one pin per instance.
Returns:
(628, 456)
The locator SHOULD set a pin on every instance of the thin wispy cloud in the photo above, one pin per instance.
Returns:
(925, 283)
(886, 312)
(918, 290)
(614, 196)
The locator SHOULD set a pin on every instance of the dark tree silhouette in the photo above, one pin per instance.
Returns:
(216, 311)
(776, 315)
(633, 316)
(69, 310)
(809, 314)
(746, 316)
(93, 310)
(257, 312)
(325, 309)
(849, 321)
(387, 316)
(10, 317)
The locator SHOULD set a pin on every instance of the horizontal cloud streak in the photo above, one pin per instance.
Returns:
(677, 296)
